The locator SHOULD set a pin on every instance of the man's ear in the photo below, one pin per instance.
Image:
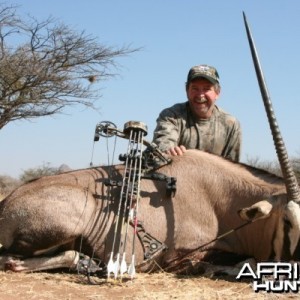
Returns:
(186, 87)
(218, 93)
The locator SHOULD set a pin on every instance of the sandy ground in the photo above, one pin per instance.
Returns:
(42, 286)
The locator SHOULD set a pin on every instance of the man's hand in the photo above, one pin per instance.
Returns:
(178, 150)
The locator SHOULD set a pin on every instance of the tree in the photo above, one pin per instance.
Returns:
(270, 166)
(34, 173)
(51, 69)
(7, 185)
(274, 166)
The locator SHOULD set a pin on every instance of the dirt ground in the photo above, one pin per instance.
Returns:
(42, 286)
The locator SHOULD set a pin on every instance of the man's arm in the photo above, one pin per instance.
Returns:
(233, 147)
(167, 131)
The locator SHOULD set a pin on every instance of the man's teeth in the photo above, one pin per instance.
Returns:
(201, 101)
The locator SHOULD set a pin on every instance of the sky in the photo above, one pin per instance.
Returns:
(174, 35)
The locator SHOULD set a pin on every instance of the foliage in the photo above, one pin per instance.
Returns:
(296, 166)
(274, 167)
(270, 166)
(46, 66)
(33, 173)
(8, 184)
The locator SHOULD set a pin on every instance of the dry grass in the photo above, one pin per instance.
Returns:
(162, 286)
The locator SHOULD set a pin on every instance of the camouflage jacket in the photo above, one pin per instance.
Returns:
(220, 134)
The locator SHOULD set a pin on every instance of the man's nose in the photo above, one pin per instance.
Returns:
(201, 92)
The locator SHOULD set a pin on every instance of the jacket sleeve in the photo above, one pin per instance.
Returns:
(167, 131)
(233, 147)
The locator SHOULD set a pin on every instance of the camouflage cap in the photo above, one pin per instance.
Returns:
(205, 71)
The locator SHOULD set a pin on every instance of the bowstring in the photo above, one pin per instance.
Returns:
(109, 193)
(140, 145)
(131, 197)
(122, 192)
(110, 165)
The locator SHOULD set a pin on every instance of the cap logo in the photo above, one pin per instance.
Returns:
(203, 68)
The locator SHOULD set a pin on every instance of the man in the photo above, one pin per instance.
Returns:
(199, 123)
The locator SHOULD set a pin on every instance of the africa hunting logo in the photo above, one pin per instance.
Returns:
(284, 277)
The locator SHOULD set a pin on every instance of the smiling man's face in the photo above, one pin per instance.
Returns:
(202, 96)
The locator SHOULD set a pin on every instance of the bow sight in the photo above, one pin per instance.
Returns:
(152, 157)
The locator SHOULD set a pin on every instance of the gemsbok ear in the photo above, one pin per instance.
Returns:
(259, 210)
